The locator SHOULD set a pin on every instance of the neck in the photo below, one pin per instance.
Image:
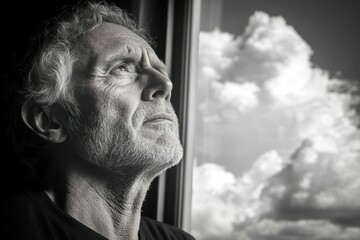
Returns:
(109, 205)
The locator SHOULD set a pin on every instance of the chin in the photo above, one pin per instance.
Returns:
(165, 153)
(161, 144)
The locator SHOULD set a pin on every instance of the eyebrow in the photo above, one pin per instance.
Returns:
(125, 54)
(122, 55)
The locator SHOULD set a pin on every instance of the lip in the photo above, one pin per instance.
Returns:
(159, 118)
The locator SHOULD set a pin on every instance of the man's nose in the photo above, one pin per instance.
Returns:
(157, 86)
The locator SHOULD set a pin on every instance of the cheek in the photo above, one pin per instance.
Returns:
(111, 102)
(120, 104)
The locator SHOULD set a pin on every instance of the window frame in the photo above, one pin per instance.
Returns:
(179, 41)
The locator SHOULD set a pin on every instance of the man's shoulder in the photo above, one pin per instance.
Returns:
(20, 203)
(32, 216)
(19, 215)
(152, 229)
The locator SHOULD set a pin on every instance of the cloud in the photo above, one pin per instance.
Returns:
(266, 77)
(232, 70)
(222, 202)
(212, 217)
(229, 208)
(229, 99)
(300, 230)
(323, 175)
(218, 53)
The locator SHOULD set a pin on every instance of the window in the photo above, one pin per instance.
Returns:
(274, 138)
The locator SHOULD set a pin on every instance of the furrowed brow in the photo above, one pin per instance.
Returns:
(125, 54)
(161, 66)
(157, 63)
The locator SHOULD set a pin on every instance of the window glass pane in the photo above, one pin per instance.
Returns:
(277, 143)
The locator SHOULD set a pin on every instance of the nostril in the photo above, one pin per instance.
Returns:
(168, 97)
(159, 94)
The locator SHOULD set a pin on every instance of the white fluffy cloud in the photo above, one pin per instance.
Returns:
(232, 70)
(221, 201)
(218, 52)
(300, 230)
(213, 217)
(230, 208)
(268, 69)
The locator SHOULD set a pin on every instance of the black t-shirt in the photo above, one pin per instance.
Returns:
(33, 216)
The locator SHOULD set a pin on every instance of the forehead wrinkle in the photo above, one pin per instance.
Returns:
(150, 59)
(155, 61)
(125, 52)
(105, 39)
(110, 43)
(113, 33)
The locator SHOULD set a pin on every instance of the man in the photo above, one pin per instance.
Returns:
(98, 127)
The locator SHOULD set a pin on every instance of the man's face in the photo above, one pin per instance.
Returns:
(123, 94)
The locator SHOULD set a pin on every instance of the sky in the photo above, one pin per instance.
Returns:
(327, 25)
(278, 147)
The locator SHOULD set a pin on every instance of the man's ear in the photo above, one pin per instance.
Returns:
(43, 122)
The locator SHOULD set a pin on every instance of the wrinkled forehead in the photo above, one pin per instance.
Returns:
(107, 39)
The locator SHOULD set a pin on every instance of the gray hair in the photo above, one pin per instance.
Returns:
(48, 69)
(48, 80)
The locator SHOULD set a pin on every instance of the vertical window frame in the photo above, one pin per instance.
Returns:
(186, 20)
(174, 187)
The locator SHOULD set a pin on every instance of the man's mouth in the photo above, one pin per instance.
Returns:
(159, 118)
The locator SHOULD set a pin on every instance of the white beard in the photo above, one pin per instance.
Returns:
(109, 142)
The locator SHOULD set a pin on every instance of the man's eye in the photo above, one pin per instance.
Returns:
(122, 68)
